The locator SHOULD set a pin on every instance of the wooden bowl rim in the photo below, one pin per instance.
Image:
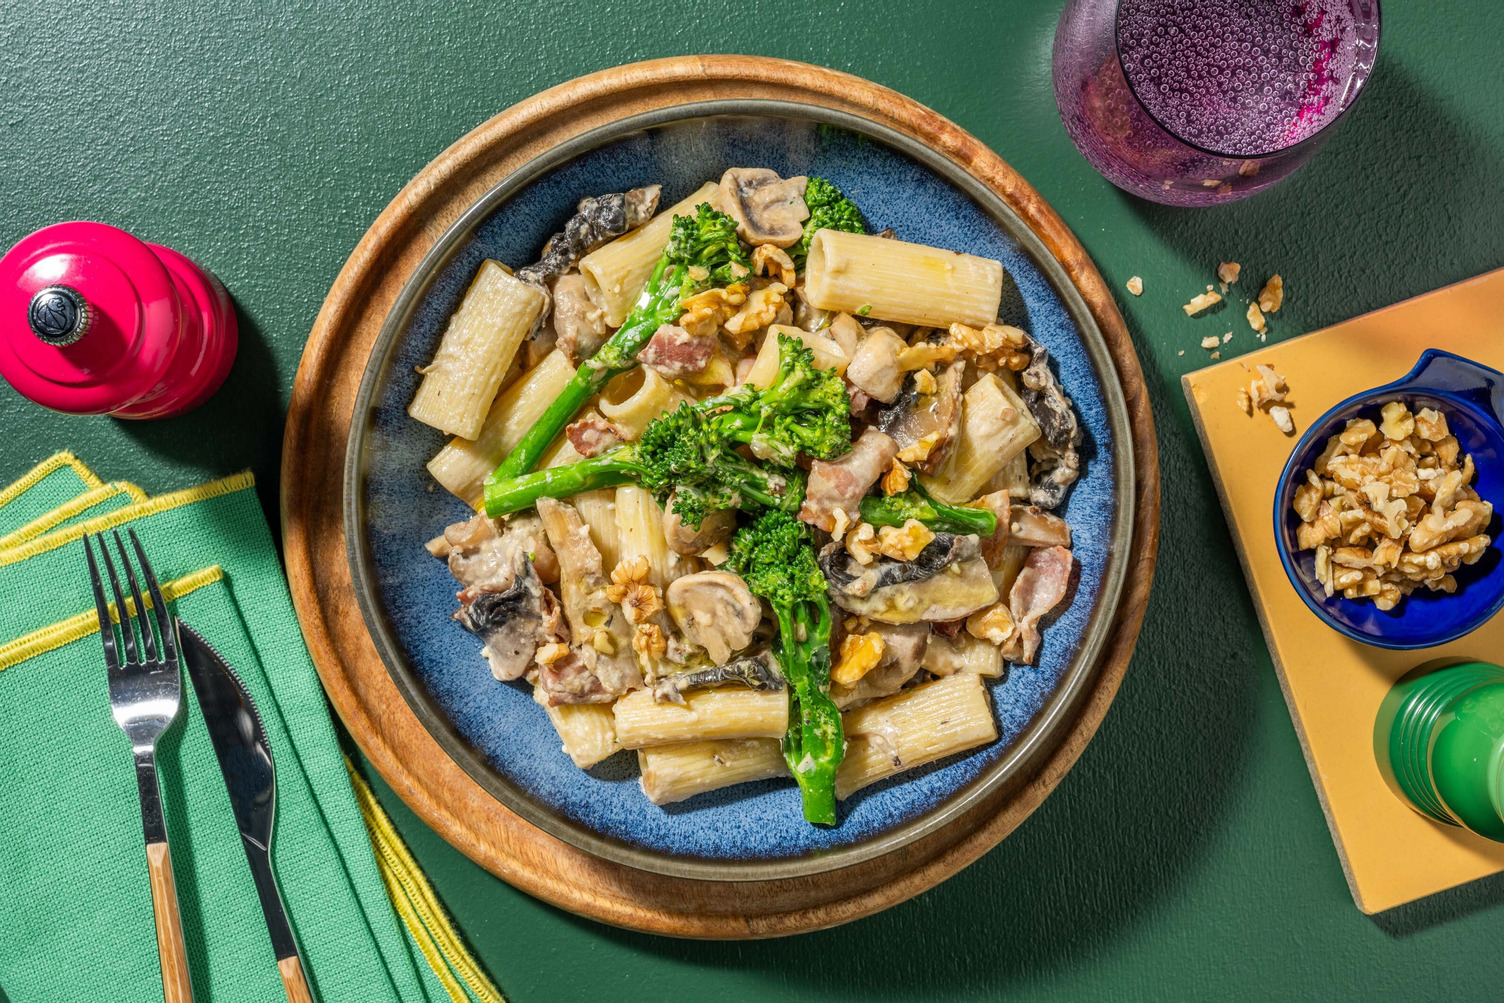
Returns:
(436, 790)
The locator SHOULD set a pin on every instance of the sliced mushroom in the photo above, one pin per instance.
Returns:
(715, 610)
(851, 578)
(925, 425)
(904, 646)
(513, 618)
(874, 365)
(1057, 460)
(959, 591)
(756, 672)
(715, 528)
(846, 332)
(946, 656)
(767, 208)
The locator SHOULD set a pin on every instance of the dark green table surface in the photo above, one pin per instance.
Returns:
(1185, 856)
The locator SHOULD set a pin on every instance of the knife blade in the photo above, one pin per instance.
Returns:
(245, 760)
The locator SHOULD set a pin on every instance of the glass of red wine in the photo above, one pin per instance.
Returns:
(1198, 102)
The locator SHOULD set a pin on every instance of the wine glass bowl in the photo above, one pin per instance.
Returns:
(1199, 102)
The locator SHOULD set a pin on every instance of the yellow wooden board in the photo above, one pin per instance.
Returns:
(1390, 853)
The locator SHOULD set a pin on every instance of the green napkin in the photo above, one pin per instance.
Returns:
(74, 886)
(91, 504)
(46, 486)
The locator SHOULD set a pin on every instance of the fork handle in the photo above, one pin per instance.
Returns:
(293, 981)
(171, 948)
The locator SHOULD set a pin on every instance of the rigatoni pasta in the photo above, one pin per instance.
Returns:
(673, 773)
(588, 731)
(895, 280)
(636, 398)
(995, 427)
(914, 728)
(476, 350)
(615, 274)
(724, 713)
(461, 466)
(828, 353)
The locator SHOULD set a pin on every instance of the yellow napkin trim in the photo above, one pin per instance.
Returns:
(419, 907)
(53, 463)
(69, 509)
(39, 642)
(121, 516)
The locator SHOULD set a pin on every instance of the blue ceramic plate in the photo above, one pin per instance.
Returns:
(494, 730)
(1472, 398)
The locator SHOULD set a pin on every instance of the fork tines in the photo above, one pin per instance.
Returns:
(153, 628)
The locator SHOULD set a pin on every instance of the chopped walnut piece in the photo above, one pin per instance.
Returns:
(1135, 285)
(705, 311)
(761, 309)
(993, 346)
(1272, 296)
(921, 450)
(860, 654)
(1282, 419)
(547, 654)
(861, 542)
(1268, 387)
(1387, 509)
(993, 624)
(769, 258)
(903, 543)
(1248, 168)
(896, 480)
(1245, 403)
(648, 641)
(1256, 318)
(1228, 271)
(1211, 341)
(640, 601)
(1201, 301)
(924, 381)
(926, 354)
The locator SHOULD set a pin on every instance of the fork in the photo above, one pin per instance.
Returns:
(144, 696)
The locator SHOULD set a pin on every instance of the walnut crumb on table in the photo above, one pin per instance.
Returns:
(1135, 285)
(1228, 271)
(1267, 391)
(1211, 341)
(1201, 301)
(1272, 296)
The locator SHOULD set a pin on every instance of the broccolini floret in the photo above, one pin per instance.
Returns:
(702, 252)
(692, 452)
(777, 558)
(828, 210)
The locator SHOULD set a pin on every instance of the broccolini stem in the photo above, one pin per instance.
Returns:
(815, 743)
(610, 470)
(658, 305)
(895, 510)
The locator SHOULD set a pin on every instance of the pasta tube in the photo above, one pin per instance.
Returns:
(705, 714)
(945, 656)
(639, 528)
(636, 397)
(476, 351)
(588, 731)
(895, 280)
(616, 273)
(598, 509)
(463, 465)
(915, 727)
(995, 427)
(828, 353)
(674, 772)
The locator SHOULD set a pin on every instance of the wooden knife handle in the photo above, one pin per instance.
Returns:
(171, 948)
(293, 982)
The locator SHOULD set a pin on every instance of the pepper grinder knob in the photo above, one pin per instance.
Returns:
(58, 315)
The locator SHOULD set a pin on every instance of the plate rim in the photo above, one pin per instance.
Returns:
(1044, 731)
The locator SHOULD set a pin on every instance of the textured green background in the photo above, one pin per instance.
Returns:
(1186, 855)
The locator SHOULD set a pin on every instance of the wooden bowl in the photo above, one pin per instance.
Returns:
(433, 774)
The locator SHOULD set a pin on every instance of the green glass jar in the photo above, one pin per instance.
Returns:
(1439, 742)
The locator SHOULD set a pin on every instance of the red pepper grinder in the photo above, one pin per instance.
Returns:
(94, 321)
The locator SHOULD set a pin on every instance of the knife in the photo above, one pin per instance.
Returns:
(245, 759)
